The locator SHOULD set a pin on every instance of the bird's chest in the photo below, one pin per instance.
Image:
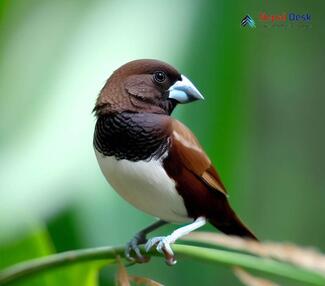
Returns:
(146, 185)
(134, 137)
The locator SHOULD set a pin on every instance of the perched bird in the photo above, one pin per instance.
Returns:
(153, 160)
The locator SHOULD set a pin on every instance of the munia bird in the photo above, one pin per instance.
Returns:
(153, 160)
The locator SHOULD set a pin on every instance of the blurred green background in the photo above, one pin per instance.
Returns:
(262, 122)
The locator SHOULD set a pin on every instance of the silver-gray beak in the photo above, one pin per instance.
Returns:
(184, 91)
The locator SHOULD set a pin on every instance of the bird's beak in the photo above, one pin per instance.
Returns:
(184, 91)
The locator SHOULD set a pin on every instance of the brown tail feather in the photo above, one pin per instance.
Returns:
(233, 226)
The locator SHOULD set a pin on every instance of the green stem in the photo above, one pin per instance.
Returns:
(225, 257)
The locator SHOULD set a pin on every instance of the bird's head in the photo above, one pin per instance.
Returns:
(145, 86)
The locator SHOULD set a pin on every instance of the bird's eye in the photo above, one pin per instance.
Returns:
(159, 76)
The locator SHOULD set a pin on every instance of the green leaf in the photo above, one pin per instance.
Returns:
(35, 244)
(83, 274)
(38, 244)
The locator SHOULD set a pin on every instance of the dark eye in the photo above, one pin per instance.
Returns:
(159, 76)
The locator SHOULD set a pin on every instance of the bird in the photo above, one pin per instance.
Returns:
(154, 161)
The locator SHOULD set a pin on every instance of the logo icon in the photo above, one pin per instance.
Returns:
(248, 21)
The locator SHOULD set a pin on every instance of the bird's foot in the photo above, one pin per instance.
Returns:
(133, 246)
(162, 244)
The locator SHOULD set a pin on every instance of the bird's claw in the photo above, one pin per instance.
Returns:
(162, 244)
(133, 245)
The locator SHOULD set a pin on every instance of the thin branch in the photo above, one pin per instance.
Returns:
(28, 268)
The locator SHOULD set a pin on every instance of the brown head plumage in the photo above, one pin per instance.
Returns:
(138, 86)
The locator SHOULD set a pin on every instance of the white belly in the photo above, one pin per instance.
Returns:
(146, 186)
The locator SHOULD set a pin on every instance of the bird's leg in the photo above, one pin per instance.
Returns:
(140, 238)
(163, 242)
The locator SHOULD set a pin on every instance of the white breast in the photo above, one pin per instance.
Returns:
(146, 186)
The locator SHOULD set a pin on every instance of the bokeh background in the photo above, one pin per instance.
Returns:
(262, 122)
